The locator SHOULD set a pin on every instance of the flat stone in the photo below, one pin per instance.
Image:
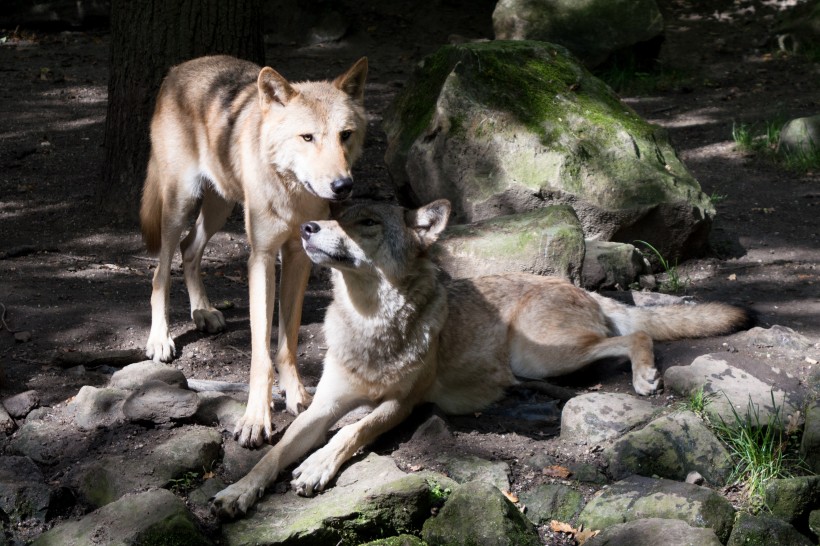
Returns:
(152, 517)
(776, 337)
(671, 446)
(193, 449)
(596, 417)
(652, 531)
(217, 409)
(469, 468)
(551, 501)
(159, 402)
(136, 375)
(369, 496)
(729, 390)
(638, 497)
(478, 514)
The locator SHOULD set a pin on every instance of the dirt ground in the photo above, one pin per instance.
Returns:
(73, 280)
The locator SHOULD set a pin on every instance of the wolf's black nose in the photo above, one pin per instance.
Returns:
(308, 229)
(342, 187)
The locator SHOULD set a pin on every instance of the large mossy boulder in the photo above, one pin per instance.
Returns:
(592, 29)
(507, 127)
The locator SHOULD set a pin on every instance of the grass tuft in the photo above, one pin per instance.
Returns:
(673, 283)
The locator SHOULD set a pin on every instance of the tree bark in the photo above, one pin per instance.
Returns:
(147, 38)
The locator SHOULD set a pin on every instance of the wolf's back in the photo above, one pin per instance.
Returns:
(670, 322)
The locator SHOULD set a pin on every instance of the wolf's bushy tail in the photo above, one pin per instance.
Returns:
(670, 322)
(151, 210)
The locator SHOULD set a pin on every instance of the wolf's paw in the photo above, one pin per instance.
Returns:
(160, 348)
(315, 472)
(235, 500)
(254, 428)
(209, 320)
(646, 381)
(297, 399)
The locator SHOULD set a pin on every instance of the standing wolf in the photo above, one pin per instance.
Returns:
(397, 336)
(226, 131)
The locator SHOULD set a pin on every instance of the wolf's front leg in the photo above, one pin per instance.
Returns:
(319, 469)
(306, 431)
(254, 428)
(295, 272)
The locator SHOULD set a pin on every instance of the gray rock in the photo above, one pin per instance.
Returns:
(478, 514)
(764, 529)
(596, 417)
(814, 522)
(592, 30)
(778, 337)
(507, 127)
(726, 388)
(654, 531)
(400, 540)
(238, 461)
(791, 499)
(19, 405)
(202, 495)
(810, 442)
(552, 501)
(153, 517)
(23, 492)
(695, 478)
(43, 441)
(610, 265)
(96, 408)
(159, 402)
(136, 375)
(671, 446)
(548, 241)
(109, 478)
(469, 468)
(370, 496)
(801, 135)
(638, 497)
(7, 424)
(217, 409)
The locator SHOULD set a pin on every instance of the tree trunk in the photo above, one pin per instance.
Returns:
(147, 38)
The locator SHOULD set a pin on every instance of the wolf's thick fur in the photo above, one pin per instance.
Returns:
(397, 336)
(226, 131)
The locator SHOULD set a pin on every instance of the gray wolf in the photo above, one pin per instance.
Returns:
(225, 131)
(397, 336)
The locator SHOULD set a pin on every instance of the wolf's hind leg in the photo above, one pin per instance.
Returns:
(212, 216)
(638, 348)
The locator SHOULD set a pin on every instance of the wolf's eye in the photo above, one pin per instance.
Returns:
(368, 222)
(344, 135)
(307, 138)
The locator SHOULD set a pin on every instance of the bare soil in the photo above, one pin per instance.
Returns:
(72, 279)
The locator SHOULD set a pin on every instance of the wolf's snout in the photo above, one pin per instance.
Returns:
(342, 187)
(308, 229)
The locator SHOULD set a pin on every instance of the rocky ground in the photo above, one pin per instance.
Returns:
(75, 286)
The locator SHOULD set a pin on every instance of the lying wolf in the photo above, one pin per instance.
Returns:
(227, 131)
(397, 337)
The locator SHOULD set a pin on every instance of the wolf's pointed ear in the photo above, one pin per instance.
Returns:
(273, 88)
(429, 221)
(352, 81)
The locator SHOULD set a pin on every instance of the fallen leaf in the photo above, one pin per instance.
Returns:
(597, 387)
(561, 527)
(208, 475)
(732, 277)
(557, 471)
(511, 496)
(583, 536)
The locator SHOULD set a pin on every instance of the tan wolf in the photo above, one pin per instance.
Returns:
(397, 336)
(226, 131)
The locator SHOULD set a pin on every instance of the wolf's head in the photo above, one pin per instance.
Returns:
(376, 238)
(314, 131)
